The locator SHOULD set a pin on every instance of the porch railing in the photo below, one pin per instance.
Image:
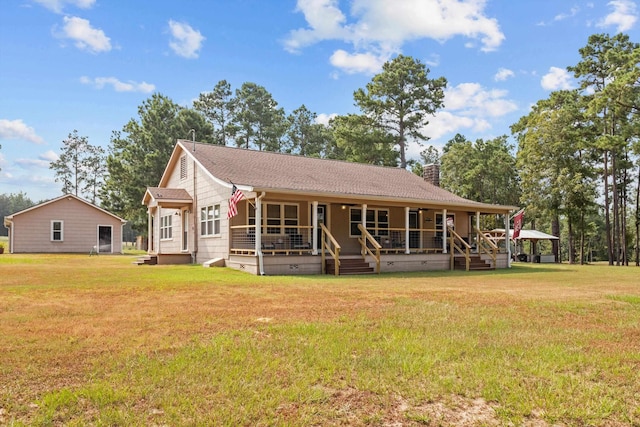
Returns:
(283, 240)
(420, 240)
(331, 246)
(368, 244)
(458, 246)
(486, 246)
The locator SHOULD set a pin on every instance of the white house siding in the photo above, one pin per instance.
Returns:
(32, 228)
(207, 193)
(211, 193)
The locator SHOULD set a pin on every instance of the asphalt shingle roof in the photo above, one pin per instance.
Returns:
(268, 171)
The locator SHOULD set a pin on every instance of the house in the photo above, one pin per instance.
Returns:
(303, 215)
(67, 224)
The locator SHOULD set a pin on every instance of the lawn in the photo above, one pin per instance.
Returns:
(100, 341)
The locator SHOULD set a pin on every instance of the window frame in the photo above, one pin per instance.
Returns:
(374, 224)
(277, 226)
(53, 230)
(166, 227)
(210, 220)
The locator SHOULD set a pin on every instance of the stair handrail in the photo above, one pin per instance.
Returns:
(366, 237)
(330, 245)
(458, 245)
(486, 246)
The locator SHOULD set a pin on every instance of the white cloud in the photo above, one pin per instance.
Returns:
(381, 27)
(326, 22)
(471, 99)
(186, 41)
(503, 74)
(43, 161)
(58, 5)
(86, 37)
(358, 62)
(17, 129)
(324, 118)
(118, 86)
(468, 106)
(623, 16)
(556, 79)
(562, 16)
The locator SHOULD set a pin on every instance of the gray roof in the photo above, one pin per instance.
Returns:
(174, 194)
(268, 171)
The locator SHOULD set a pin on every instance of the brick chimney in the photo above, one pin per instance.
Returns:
(431, 174)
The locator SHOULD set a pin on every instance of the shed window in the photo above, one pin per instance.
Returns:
(57, 231)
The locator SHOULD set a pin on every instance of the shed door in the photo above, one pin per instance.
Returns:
(104, 239)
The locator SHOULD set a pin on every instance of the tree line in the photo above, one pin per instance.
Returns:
(575, 167)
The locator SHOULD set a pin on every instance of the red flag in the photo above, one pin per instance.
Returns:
(517, 223)
(236, 196)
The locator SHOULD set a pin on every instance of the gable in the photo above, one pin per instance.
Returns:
(61, 204)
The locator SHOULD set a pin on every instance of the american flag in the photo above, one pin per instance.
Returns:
(518, 219)
(236, 196)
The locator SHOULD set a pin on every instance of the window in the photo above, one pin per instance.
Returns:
(57, 231)
(210, 220)
(377, 221)
(183, 167)
(165, 227)
(278, 218)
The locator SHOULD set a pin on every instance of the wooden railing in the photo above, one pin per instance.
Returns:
(486, 246)
(293, 240)
(331, 246)
(365, 240)
(458, 245)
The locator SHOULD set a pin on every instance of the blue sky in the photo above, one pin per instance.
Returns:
(89, 64)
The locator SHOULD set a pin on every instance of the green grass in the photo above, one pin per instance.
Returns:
(99, 341)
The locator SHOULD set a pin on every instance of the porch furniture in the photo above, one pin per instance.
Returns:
(297, 242)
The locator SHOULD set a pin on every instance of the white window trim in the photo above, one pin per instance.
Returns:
(377, 225)
(216, 218)
(166, 230)
(61, 239)
(251, 220)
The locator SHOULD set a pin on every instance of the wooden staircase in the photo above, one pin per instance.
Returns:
(475, 263)
(349, 266)
(147, 260)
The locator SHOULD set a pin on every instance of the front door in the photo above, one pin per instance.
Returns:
(104, 239)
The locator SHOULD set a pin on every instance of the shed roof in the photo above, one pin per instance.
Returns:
(64, 196)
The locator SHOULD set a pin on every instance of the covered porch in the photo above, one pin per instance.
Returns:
(169, 210)
(280, 234)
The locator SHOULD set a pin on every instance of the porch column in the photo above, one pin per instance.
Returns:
(406, 230)
(364, 215)
(258, 225)
(159, 221)
(444, 231)
(478, 231)
(314, 219)
(507, 238)
(149, 231)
